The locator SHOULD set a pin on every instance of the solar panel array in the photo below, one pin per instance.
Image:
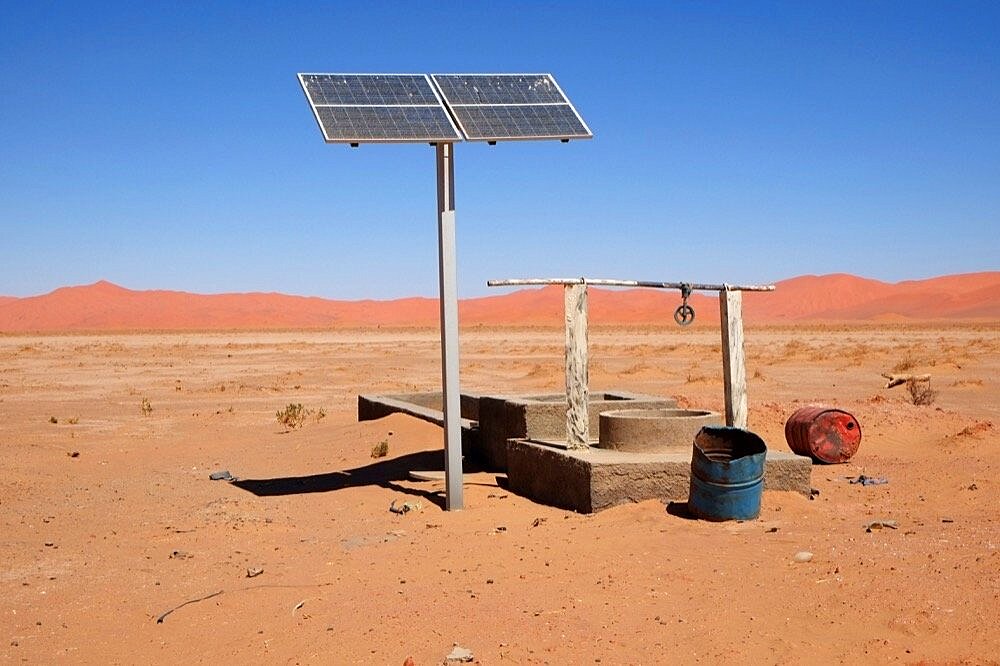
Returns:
(498, 107)
(357, 108)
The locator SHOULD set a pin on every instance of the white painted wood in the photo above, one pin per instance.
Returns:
(577, 373)
(734, 372)
(448, 281)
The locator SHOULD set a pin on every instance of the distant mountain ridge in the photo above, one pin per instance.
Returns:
(104, 306)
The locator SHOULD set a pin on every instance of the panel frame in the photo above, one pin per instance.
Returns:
(560, 137)
(458, 135)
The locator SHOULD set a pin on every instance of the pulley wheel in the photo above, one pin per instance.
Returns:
(684, 314)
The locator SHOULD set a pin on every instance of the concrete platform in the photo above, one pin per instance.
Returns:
(488, 421)
(539, 417)
(593, 479)
(425, 406)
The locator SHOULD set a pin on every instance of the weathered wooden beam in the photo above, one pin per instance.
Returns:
(734, 371)
(600, 282)
(896, 380)
(577, 375)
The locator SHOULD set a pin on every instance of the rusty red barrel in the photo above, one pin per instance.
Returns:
(825, 434)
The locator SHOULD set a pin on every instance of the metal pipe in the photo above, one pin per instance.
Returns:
(600, 282)
(449, 326)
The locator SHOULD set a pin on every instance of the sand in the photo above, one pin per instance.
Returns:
(104, 306)
(109, 518)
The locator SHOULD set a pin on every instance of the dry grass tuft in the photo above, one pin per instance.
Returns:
(381, 450)
(694, 378)
(793, 347)
(294, 415)
(907, 363)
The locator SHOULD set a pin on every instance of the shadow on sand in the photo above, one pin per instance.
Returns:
(383, 473)
(680, 510)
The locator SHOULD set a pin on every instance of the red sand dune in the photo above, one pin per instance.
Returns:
(104, 306)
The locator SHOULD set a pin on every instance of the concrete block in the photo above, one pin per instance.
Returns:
(541, 417)
(427, 407)
(593, 479)
(653, 430)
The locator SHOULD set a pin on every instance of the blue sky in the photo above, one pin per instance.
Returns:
(168, 145)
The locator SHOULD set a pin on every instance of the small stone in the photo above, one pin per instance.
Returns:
(460, 654)
(73, 454)
(803, 556)
(253, 572)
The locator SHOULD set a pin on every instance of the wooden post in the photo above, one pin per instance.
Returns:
(734, 370)
(577, 376)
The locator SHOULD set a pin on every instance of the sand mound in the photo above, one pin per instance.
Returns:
(105, 306)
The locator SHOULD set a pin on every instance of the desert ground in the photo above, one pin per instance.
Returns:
(109, 519)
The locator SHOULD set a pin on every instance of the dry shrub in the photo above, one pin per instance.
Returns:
(793, 347)
(292, 416)
(859, 351)
(381, 450)
(856, 355)
(907, 363)
(921, 393)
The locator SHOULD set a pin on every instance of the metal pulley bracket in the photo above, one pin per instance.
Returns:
(684, 314)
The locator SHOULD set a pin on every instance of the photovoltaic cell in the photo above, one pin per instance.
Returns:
(369, 89)
(529, 121)
(501, 107)
(374, 108)
(499, 89)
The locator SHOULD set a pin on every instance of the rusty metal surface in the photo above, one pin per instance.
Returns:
(826, 434)
(727, 474)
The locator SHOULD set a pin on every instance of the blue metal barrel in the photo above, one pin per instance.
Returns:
(727, 474)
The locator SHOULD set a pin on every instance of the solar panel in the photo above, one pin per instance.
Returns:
(503, 107)
(378, 108)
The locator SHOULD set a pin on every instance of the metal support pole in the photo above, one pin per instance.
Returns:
(449, 327)
(734, 370)
(577, 379)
